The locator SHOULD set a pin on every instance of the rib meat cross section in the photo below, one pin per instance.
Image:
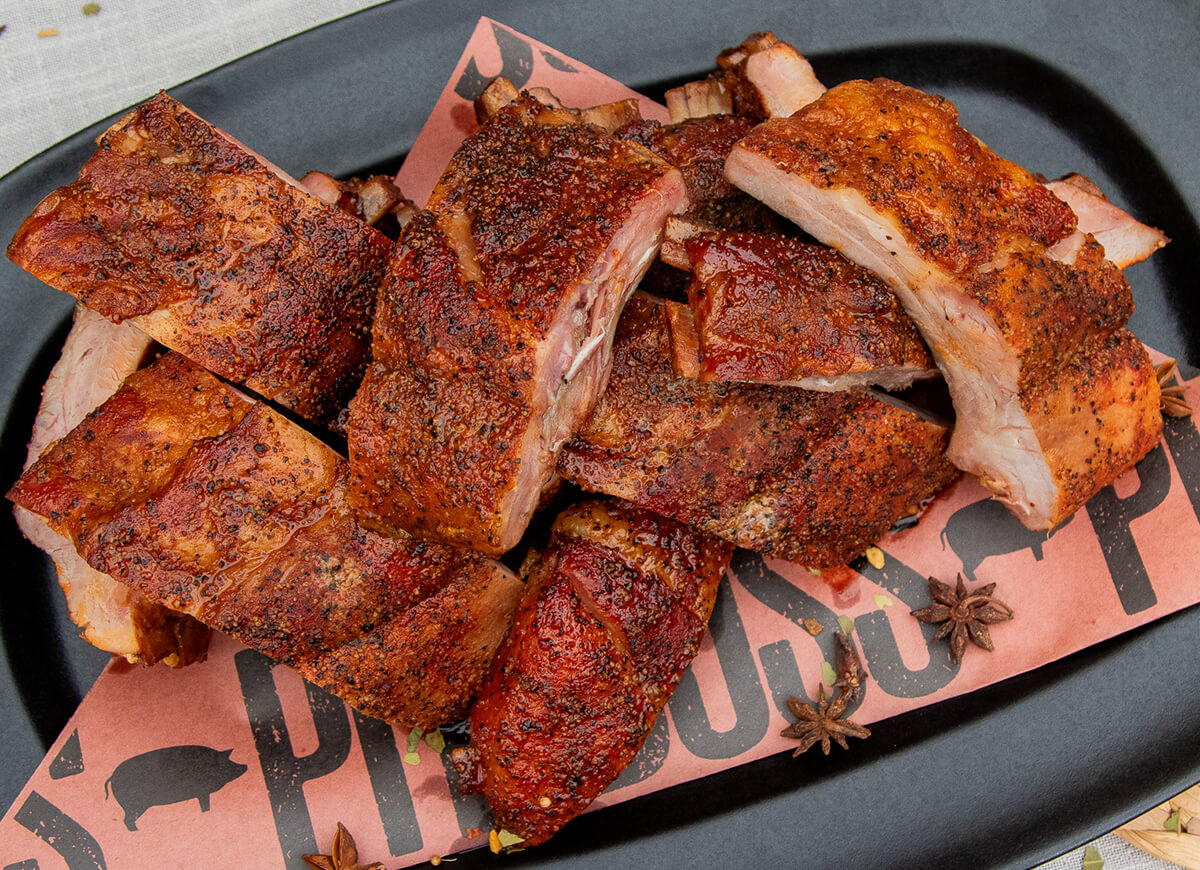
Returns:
(494, 329)
(1053, 398)
(219, 508)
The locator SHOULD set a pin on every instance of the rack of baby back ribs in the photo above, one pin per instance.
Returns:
(833, 245)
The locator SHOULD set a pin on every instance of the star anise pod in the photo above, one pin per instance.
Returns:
(964, 615)
(344, 855)
(822, 723)
(850, 675)
(1171, 399)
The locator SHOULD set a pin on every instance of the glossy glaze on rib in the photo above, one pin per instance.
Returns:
(806, 476)
(973, 247)
(614, 612)
(493, 332)
(769, 309)
(220, 508)
(213, 252)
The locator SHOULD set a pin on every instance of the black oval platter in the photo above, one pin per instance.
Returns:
(1005, 777)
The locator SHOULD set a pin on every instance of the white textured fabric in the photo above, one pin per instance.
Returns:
(98, 64)
(1117, 855)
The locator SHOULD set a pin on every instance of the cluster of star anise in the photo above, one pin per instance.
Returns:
(824, 723)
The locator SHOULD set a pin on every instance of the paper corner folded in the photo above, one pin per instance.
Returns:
(495, 49)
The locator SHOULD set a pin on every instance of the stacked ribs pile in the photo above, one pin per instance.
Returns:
(800, 255)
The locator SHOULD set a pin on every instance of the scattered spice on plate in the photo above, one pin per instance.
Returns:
(850, 674)
(964, 615)
(411, 756)
(435, 741)
(822, 723)
(3, 27)
(49, 31)
(507, 840)
(91, 8)
(875, 557)
(343, 855)
(813, 626)
(846, 624)
(1171, 400)
(828, 675)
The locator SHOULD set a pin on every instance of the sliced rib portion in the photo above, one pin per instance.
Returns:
(376, 201)
(96, 357)
(614, 613)
(211, 250)
(698, 147)
(494, 328)
(967, 241)
(218, 507)
(769, 309)
(1125, 240)
(607, 116)
(761, 78)
(811, 477)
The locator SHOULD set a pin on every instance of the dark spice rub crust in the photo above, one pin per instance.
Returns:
(614, 613)
(220, 508)
(494, 327)
(1022, 312)
(806, 476)
(957, 201)
(216, 254)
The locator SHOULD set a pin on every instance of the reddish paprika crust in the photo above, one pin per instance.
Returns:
(770, 309)
(494, 327)
(614, 612)
(218, 507)
(806, 476)
(209, 250)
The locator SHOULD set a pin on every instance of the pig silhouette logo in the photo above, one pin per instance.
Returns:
(168, 776)
(987, 528)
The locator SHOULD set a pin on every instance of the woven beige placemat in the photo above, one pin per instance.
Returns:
(64, 64)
